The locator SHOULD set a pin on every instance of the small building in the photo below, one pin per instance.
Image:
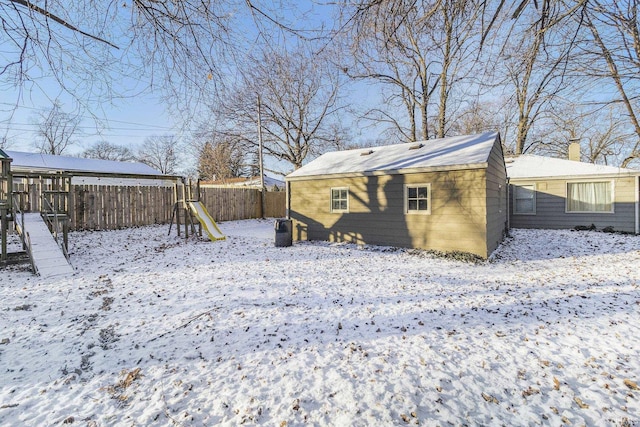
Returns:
(555, 193)
(444, 194)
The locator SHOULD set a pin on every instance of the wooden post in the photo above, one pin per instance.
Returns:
(186, 189)
(176, 205)
(260, 160)
(6, 187)
(4, 230)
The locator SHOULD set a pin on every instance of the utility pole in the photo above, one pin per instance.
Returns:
(260, 160)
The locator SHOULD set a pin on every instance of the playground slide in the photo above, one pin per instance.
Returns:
(210, 226)
(47, 256)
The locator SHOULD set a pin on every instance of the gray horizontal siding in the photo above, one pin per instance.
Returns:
(496, 202)
(550, 212)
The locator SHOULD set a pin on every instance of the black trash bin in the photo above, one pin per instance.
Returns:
(283, 233)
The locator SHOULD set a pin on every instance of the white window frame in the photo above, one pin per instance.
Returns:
(331, 199)
(406, 199)
(594, 181)
(515, 198)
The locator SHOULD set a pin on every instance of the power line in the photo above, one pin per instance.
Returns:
(31, 126)
(151, 127)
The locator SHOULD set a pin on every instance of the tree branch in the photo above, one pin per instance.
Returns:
(49, 15)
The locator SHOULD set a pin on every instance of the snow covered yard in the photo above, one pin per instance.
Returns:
(153, 330)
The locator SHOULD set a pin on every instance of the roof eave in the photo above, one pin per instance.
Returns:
(5, 156)
(572, 177)
(32, 172)
(406, 171)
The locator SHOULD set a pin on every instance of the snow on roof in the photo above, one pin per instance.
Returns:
(253, 181)
(268, 182)
(49, 162)
(532, 166)
(445, 152)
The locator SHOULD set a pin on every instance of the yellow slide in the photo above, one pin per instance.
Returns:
(210, 226)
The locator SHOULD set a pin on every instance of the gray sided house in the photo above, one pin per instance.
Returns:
(446, 194)
(556, 193)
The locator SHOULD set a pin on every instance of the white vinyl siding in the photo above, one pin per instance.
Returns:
(417, 199)
(340, 200)
(590, 197)
(524, 199)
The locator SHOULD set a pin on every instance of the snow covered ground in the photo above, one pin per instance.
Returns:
(155, 330)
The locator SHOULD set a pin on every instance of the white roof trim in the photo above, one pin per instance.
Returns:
(393, 172)
(36, 162)
(459, 152)
(529, 166)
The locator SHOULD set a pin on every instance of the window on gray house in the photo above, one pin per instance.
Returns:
(590, 196)
(524, 199)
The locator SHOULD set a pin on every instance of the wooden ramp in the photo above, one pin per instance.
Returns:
(48, 258)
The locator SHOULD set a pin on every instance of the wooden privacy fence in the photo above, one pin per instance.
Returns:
(102, 207)
(275, 204)
(99, 207)
(230, 204)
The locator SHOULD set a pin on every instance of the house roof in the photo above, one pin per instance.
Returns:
(531, 166)
(43, 163)
(253, 181)
(445, 153)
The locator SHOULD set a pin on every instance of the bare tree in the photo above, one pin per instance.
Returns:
(615, 55)
(605, 145)
(389, 48)
(160, 152)
(86, 46)
(601, 135)
(105, 150)
(55, 130)
(221, 160)
(459, 23)
(479, 117)
(421, 51)
(536, 54)
(298, 95)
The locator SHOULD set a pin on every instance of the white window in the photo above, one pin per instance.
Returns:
(417, 199)
(590, 196)
(340, 199)
(524, 199)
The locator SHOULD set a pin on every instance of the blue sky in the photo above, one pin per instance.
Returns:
(129, 121)
(126, 121)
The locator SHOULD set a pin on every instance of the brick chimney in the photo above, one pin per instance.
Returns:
(574, 151)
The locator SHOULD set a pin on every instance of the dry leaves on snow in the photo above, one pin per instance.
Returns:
(490, 398)
(580, 403)
(530, 391)
(118, 391)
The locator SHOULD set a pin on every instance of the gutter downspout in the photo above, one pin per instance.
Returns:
(509, 206)
(638, 204)
(287, 212)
